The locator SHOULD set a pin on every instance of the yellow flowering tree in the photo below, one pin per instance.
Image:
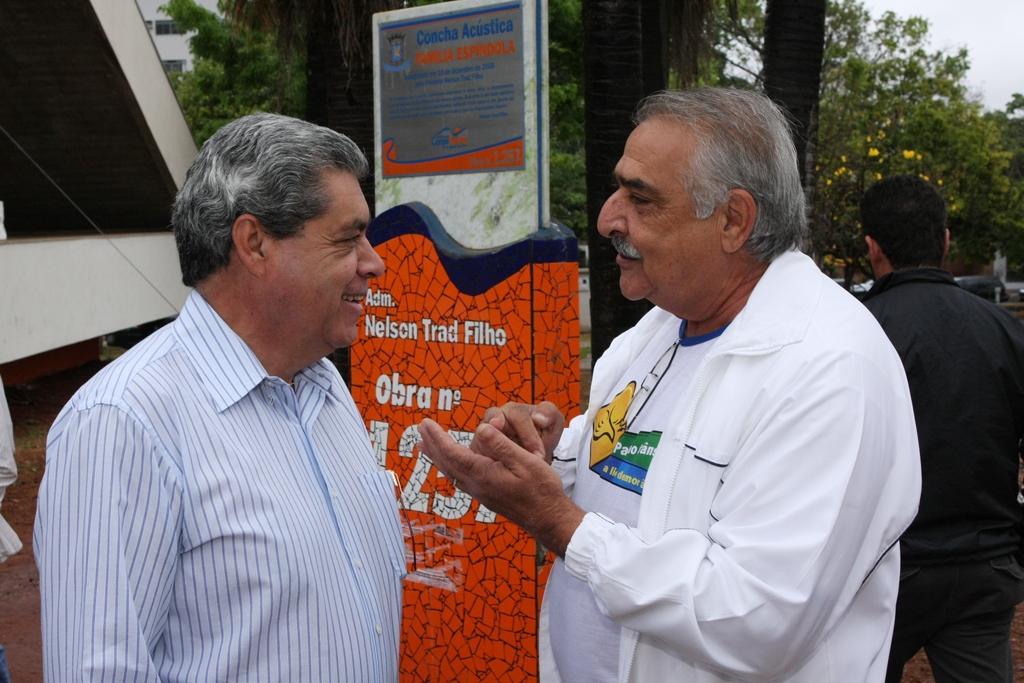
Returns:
(890, 105)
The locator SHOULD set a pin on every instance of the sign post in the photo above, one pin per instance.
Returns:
(479, 306)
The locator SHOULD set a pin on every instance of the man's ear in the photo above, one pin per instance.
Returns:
(740, 215)
(250, 240)
(874, 251)
(945, 245)
(880, 263)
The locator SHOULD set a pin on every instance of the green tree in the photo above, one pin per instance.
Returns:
(738, 44)
(1011, 124)
(237, 71)
(565, 103)
(890, 105)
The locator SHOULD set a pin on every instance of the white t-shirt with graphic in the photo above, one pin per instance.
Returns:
(611, 469)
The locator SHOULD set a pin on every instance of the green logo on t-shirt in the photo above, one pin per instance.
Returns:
(626, 466)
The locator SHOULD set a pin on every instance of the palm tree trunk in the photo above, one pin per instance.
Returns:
(654, 17)
(794, 41)
(613, 84)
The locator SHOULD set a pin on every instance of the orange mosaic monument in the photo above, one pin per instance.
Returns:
(479, 306)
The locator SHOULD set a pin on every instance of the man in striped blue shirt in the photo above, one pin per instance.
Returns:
(211, 507)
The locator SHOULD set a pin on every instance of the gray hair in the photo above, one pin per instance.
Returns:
(743, 141)
(268, 165)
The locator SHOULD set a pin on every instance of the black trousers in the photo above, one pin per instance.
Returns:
(961, 615)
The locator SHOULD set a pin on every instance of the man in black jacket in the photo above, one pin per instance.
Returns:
(964, 359)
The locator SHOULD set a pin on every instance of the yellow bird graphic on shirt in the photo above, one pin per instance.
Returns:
(610, 424)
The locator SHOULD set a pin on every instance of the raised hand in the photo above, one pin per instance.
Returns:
(537, 428)
(507, 478)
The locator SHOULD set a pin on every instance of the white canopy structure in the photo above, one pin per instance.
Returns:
(91, 139)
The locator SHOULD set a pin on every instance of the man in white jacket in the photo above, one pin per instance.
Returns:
(729, 506)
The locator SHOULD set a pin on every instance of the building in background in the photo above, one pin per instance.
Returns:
(171, 43)
(93, 147)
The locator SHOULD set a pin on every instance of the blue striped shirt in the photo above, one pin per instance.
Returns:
(200, 520)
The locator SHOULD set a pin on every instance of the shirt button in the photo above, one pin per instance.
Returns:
(359, 565)
(378, 629)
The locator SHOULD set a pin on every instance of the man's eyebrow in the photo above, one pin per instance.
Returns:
(351, 229)
(357, 225)
(638, 185)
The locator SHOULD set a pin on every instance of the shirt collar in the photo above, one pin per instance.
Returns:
(696, 339)
(324, 376)
(900, 277)
(227, 366)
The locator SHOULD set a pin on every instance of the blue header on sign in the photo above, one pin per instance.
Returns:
(473, 271)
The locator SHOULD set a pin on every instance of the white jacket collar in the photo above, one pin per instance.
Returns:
(778, 313)
(779, 309)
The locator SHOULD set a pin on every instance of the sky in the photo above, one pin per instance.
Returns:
(989, 29)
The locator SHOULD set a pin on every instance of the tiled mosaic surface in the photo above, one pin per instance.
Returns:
(427, 350)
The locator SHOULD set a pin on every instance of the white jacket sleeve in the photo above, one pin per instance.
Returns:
(819, 489)
(567, 451)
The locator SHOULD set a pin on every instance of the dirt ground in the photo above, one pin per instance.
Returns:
(33, 408)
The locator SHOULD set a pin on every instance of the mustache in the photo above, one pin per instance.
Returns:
(624, 248)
